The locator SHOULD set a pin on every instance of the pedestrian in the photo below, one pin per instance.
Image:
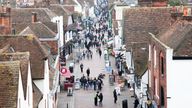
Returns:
(115, 95)
(96, 98)
(81, 66)
(88, 72)
(136, 103)
(100, 52)
(94, 84)
(100, 99)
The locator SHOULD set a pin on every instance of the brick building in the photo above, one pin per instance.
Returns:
(5, 20)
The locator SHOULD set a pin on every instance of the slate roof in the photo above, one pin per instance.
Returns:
(9, 80)
(137, 23)
(178, 37)
(23, 57)
(38, 29)
(28, 43)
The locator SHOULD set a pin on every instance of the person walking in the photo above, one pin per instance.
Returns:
(115, 95)
(100, 52)
(136, 103)
(100, 99)
(88, 72)
(96, 98)
(95, 84)
(81, 67)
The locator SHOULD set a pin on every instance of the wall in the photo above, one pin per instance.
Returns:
(29, 96)
(20, 94)
(179, 84)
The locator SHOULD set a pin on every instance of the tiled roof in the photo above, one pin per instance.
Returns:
(51, 25)
(178, 37)
(24, 15)
(60, 11)
(28, 43)
(39, 29)
(9, 80)
(37, 96)
(23, 57)
(138, 22)
(140, 57)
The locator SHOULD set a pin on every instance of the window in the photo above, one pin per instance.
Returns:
(162, 65)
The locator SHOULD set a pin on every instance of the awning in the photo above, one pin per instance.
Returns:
(65, 72)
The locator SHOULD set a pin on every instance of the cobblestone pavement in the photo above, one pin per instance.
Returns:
(85, 98)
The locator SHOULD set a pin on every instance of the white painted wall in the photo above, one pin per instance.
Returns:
(20, 99)
(59, 21)
(78, 7)
(119, 11)
(178, 82)
(91, 12)
(39, 84)
(29, 95)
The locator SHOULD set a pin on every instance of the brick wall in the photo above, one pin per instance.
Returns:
(5, 20)
(156, 72)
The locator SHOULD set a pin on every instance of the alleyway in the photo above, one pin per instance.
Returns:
(85, 98)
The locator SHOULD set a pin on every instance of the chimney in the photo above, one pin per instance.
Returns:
(34, 17)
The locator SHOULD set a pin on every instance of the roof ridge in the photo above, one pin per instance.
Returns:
(23, 31)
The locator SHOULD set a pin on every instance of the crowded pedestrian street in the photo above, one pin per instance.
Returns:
(84, 98)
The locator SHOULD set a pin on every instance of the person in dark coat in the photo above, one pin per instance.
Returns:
(88, 72)
(81, 66)
(96, 98)
(136, 103)
(100, 99)
(100, 52)
(115, 95)
(94, 83)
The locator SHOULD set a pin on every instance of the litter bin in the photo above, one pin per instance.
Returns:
(124, 104)
(69, 91)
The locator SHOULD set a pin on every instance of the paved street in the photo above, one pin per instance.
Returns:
(85, 98)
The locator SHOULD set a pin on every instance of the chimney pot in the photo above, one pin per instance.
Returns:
(34, 17)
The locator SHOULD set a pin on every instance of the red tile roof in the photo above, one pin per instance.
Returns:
(28, 43)
(178, 37)
(137, 23)
(39, 29)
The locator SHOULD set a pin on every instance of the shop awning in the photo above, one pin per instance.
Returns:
(65, 72)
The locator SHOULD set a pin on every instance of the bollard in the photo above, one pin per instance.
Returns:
(67, 105)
